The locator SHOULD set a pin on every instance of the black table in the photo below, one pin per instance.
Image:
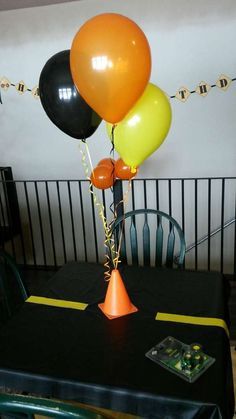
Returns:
(83, 356)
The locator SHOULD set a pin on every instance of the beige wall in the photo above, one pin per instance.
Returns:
(190, 42)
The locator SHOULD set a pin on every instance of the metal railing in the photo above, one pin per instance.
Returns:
(206, 237)
(59, 220)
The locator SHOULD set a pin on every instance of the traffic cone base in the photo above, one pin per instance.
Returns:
(117, 302)
(132, 309)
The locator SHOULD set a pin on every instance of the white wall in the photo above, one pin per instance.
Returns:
(190, 41)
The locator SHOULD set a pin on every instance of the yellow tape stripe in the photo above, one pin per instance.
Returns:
(56, 303)
(202, 321)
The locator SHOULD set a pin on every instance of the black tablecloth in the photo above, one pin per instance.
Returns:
(82, 355)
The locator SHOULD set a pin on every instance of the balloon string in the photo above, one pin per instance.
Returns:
(113, 166)
(113, 139)
(124, 201)
(112, 189)
(109, 241)
(89, 156)
(100, 207)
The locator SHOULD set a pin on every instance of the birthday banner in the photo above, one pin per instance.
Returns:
(182, 94)
(20, 87)
(203, 88)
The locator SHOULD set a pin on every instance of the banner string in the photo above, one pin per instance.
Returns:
(203, 88)
(182, 94)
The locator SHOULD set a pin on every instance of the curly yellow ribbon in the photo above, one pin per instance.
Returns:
(109, 241)
(124, 201)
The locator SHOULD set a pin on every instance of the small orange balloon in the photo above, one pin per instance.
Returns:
(110, 63)
(122, 171)
(107, 162)
(102, 177)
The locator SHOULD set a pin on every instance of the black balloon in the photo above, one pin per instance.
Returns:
(61, 100)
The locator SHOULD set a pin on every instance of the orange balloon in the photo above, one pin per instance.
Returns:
(110, 62)
(107, 162)
(102, 177)
(122, 171)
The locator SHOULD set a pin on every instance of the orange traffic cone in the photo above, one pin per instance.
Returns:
(117, 302)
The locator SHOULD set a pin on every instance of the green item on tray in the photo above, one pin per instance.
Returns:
(187, 361)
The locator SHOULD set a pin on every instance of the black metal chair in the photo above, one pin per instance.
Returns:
(13, 404)
(12, 289)
(164, 247)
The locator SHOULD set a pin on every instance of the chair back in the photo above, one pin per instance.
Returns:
(161, 235)
(17, 404)
(12, 290)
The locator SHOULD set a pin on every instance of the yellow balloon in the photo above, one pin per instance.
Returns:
(144, 128)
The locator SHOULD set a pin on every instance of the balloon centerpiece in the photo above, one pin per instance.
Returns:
(105, 76)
